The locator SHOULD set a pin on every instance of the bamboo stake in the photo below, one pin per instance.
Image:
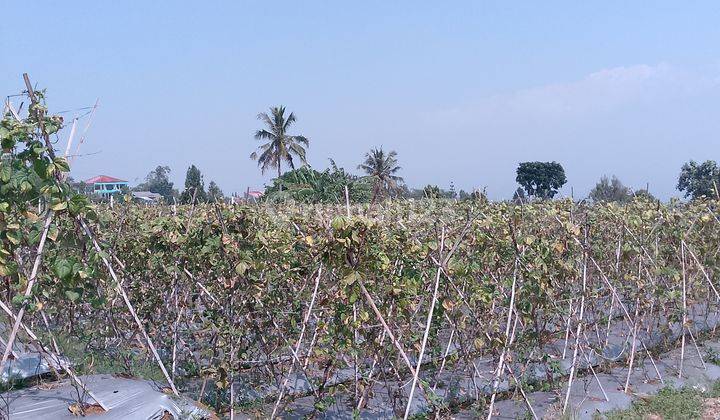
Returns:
(87, 127)
(697, 349)
(508, 340)
(121, 290)
(567, 329)
(28, 290)
(427, 329)
(389, 332)
(299, 341)
(592, 370)
(355, 342)
(702, 269)
(445, 355)
(200, 285)
(579, 329)
(632, 351)
(56, 356)
(372, 368)
(657, 371)
(70, 138)
(684, 304)
(522, 392)
(347, 201)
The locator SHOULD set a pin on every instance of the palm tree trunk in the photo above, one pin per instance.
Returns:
(374, 195)
(279, 184)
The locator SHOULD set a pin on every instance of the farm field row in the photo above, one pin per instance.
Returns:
(349, 299)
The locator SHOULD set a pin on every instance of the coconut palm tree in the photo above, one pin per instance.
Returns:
(382, 167)
(280, 145)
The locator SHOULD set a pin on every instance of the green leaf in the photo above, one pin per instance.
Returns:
(77, 204)
(50, 170)
(351, 278)
(62, 164)
(63, 269)
(339, 223)
(7, 142)
(241, 268)
(72, 295)
(5, 171)
(53, 233)
(59, 205)
(13, 237)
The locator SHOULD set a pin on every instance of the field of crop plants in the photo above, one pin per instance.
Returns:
(400, 308)
(260, 297)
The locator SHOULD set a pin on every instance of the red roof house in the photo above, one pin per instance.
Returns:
(104, 179)
(106, 185)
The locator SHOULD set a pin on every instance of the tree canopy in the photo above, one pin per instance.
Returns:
(215, 193)
(306, 185)
(279, 146)
(698, 180)
(382, 168)
(541, 179)
(610, 190)
(158, 181)
(194, 187)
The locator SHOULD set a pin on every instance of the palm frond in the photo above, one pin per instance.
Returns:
(298, 150)
(265, 118)
(264, 135)
(278, 118)
(289, 121)
(301, 140)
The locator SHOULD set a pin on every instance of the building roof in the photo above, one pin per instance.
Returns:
(103, 179)
(146, 195)
(255, 194)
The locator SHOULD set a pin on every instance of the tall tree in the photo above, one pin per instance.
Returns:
(215, 193)
(610, 190)
(698, 180)
(541, 179)
(382, 168)
(158, 181)
(194, 187)
(279, 146)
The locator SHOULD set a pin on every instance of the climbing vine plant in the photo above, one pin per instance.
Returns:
(35, 199)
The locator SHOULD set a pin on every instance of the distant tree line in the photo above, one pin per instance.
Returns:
(381, 178)
(158, 181)
(537, 180)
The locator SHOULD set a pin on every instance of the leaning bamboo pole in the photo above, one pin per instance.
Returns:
(427, 330)
(121, 290)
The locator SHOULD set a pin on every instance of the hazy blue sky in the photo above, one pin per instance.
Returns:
(462, 90)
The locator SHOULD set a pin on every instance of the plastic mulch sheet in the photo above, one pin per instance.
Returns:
(125, 398)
